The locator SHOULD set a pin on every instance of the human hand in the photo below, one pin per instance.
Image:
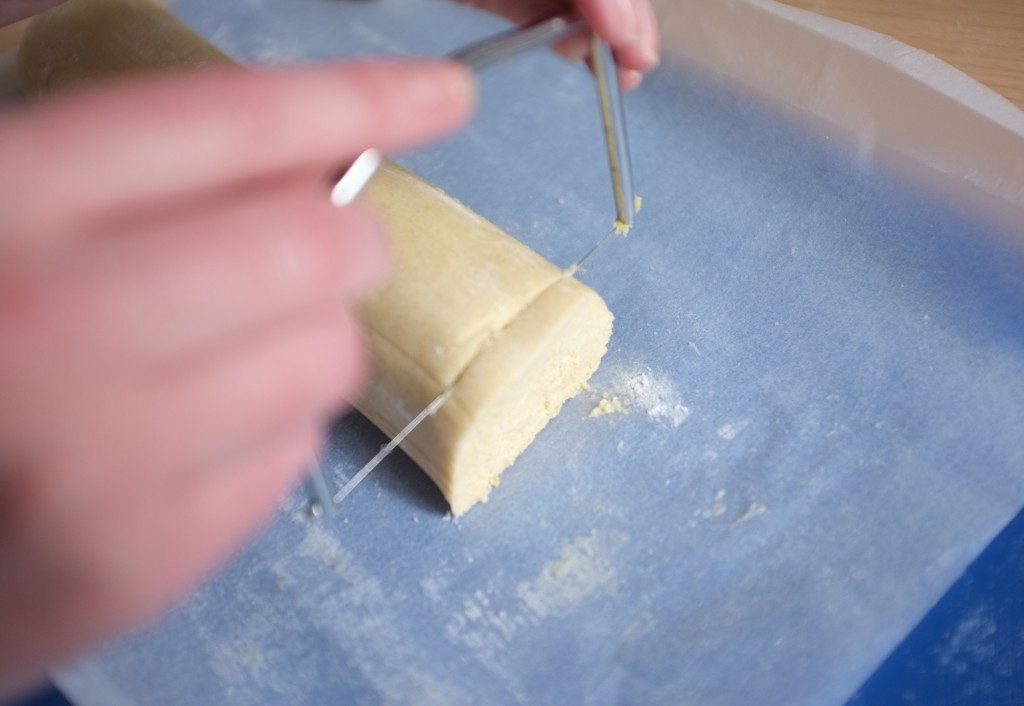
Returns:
(177, 304)
(629, 27)
(14, 10)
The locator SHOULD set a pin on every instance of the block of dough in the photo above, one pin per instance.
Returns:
(468, 308)
(471, 307)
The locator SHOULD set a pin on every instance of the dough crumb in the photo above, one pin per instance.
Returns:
(584, 570)
(730, 431)
(622, 228)
(607, 405)
(753, 510)
(717, 509)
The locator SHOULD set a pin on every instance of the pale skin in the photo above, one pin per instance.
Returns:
(177, 311)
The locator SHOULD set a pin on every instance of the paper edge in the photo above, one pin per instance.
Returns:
(85, 684)
(916, 63)
(866, 88)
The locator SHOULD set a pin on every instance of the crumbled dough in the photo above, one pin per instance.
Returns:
(607, 405)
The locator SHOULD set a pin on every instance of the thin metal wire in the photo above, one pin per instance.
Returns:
(322, 502)
(571, 269)
(515, 41)
(613, 116)
(386, 450)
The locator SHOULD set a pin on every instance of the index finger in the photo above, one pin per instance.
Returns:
(629, 26)
(148, 140)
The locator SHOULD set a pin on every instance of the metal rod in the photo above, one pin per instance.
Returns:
(515, 41)
(386, 450)
(317, 481)
(613, 115)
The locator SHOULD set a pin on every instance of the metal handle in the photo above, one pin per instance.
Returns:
(515, 41)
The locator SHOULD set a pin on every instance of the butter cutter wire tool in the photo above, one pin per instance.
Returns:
(477, 56)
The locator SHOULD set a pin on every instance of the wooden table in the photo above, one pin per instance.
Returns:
(982, 38)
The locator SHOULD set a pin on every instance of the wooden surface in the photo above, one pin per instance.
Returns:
(982, 38)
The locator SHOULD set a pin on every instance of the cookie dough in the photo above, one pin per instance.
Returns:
(469, 308)
(86, 40)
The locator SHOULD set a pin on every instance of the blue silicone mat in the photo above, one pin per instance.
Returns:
(822, 371)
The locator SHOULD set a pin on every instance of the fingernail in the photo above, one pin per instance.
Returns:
(651, 57)
(630, 79)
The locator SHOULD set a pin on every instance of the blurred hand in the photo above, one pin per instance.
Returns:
(629, 27)
(177, 317)
(14, 10)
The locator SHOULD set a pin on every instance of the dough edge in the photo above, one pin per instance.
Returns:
(507, 394)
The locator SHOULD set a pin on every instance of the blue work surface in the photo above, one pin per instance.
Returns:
(822, 376)
(968, 650)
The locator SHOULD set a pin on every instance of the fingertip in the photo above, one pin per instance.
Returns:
(645, 53)
(630, 28)
(626, 21)
(440, 88)
(575, 47)
(464, 86)
(630, 79)
(394, 105)
(650, 43)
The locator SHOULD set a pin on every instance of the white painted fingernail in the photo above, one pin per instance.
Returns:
(355, 178)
